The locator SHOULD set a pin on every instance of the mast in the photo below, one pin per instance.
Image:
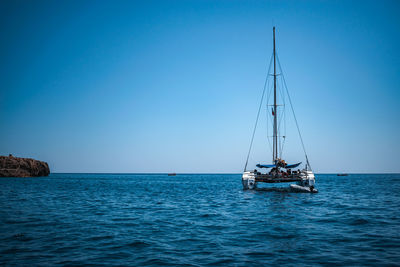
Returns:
(275, 135)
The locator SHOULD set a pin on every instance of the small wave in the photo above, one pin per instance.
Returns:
(283, 236)
(12, 221)
(358, 222)
(123, 219)
(199, 220)
(22, 237)
(222, 262)
(158, 262)
(259, 254)
(138, 244)
(101, 237)
(327, 220)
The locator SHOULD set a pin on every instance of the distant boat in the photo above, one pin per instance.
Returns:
(280, 170)
(172, 174)
(342, 174)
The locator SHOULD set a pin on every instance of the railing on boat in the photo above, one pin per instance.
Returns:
(266, 178)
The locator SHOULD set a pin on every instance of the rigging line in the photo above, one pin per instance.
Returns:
(269, 142)
(267, 110)
(283, 117)
(294, 115)
(283, 144)
(280, 119)
(283, 111)
(258, 115)
(281, 135)
(281, 90)
(279, 128)
(270, 116)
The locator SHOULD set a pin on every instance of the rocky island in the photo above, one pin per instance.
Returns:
(22, 167)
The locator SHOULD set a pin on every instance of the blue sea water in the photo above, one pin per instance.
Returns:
(201, 219)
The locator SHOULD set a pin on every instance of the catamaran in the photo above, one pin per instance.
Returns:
(278, 171)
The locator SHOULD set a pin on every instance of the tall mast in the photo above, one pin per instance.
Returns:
(275, 141)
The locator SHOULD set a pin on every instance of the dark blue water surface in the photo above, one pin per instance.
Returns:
(122, 219)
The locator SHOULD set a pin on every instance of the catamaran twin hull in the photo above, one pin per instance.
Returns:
(305, 180)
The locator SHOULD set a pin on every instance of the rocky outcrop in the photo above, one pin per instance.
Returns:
(22, 167)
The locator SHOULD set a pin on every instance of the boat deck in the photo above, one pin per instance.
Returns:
(265, 178)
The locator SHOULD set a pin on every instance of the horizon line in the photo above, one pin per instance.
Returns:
(211, 172)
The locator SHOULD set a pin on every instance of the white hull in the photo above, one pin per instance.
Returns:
(249, 181)
(305, 184)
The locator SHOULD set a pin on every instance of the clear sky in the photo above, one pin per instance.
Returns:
(174, 86)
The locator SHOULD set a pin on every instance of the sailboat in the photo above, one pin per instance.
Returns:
(278, 171)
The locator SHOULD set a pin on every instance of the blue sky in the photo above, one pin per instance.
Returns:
(174, 86)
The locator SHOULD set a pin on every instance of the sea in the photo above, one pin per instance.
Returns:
(197, 220)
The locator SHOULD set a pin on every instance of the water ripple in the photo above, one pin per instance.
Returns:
(197, 220)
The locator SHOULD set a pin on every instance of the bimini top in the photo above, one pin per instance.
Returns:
(288, 166)
(265, 166)
(291, 166)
